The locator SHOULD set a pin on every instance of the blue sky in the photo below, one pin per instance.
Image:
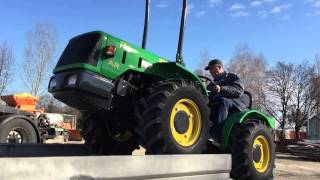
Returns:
(286, 30)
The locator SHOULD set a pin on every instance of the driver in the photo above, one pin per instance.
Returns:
(224, 95)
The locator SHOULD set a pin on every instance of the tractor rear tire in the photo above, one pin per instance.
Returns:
(98, 139)
(173, 118)
(17, 130)
(253, 151)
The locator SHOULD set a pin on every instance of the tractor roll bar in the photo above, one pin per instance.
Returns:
(179, 58)
(146, 24)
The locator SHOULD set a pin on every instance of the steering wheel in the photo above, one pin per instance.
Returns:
(206, 80)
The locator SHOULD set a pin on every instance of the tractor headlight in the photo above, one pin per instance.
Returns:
(52, 83)
(72, 80)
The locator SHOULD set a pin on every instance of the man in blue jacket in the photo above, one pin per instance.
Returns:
(224, 95)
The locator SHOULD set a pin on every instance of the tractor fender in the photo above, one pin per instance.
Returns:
(240, 117)
(173, 70)
(8, 117)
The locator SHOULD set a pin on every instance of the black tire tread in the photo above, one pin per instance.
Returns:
(150, 107)
(239, 143)
(98, 141)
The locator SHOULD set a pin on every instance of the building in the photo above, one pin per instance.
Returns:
(314, 128)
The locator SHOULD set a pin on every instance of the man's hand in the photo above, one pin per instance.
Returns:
(216, 89)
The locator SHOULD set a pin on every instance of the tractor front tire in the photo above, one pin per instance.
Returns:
(94, 129)
(253, 151)
(173, 118)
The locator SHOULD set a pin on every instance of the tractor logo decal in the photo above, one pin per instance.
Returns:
(114, 64)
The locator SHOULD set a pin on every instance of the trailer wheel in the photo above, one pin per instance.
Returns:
(174, 118)
(99, 139)
(17, 131)
(253, 151)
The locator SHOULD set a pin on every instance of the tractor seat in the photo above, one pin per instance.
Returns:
(244, 104)
(246, 99)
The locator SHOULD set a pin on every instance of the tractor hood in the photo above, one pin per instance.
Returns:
(81, 49)
(82, 52)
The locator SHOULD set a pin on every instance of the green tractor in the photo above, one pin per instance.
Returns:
(129, 96)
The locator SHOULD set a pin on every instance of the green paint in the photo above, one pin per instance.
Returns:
(136, 59)
(240, 117)
(129, 57)
(172, 70)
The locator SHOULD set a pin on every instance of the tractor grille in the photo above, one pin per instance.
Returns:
(81, 49)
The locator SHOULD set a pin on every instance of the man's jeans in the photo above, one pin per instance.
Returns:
(219, 112)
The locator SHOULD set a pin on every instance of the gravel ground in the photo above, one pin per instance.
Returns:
(291, 168)
(287, 168)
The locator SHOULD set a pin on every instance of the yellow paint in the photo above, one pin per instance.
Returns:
(162, 60)
(192, 134)
(264, 162)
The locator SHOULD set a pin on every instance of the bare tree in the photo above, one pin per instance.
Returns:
(302, 102)
(204, 60)
(6, 63)
(315, 92)
(279, 93)
(251, 69)
(52, 105)
(38, 57)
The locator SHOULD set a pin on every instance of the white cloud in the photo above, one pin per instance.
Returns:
(162, 4)
(276, 9)
(241, 14)
(312, 14)
(214, 3)
(269, 1)
(263, 14)
(201, 13)
(309, 1)
(256, 3)
(189, 8)
(286, 17)
(260, 2)
(279, 9)
(236, 6)
(316, 4)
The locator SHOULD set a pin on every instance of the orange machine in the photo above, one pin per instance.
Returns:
(23, 101)
(27, 102)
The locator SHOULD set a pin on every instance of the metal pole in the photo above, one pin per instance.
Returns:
(146, 23)
(179, 58)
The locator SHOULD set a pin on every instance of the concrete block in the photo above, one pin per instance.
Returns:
(118, 167)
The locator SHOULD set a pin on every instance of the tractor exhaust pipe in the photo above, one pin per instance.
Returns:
(146, 24)
(179, 58)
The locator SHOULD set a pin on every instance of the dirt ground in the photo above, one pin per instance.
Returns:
(288, 167)
(291, 168)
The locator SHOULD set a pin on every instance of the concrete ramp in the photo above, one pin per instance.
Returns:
(171, 167)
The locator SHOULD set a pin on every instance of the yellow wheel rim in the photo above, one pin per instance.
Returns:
(190, 110)
(261, 153)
